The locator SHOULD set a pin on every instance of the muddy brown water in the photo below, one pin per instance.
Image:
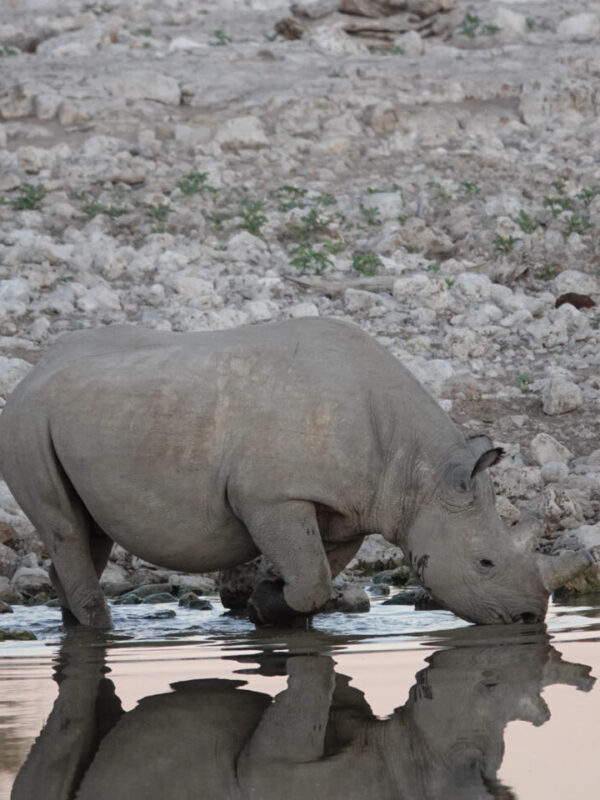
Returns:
(390, 704)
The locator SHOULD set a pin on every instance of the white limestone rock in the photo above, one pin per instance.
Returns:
(560, 396)
(242, 133)
(579, 28)
(546, 448)
(141, 84)
(573, 280)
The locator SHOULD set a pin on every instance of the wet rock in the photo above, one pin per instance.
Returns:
(145, 590)
(10, 634)
(378, 590)
(191, 600)
(347, 597)
(5, 608)
(128, 599)
(560, 396)
(405, 597)
(546, 448)
(199, 584)
(167, 613)
(394, 577)
(161, 597)
(30, 581)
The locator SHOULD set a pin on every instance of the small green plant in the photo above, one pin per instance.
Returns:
(587, 195)
(449, 282)
(470, 189)
(160, 212)
(290, 197)
(595, 321)
(472, 25)
(30, 197)
(216, 218)
(314, 258)
(5, 50)
(547, 272)
(271, 37)
(313, 223)
(440, 192)
(523, 382)
(366, 263)
(252, 217)
(98, 10)
(504, 244)
(558, 204)
(220, 39)
(578, 224)
(194, 183)
(371, 215)
(525, 222)
(142, 32)
(435, 267)
(530, 22)
(559, 185)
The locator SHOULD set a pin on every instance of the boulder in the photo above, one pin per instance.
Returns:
(31, 581)
(546, 448)
(8, 593)
(560, 395)
(348, 597)
(199, 584)
(191, 600)
(8, 561)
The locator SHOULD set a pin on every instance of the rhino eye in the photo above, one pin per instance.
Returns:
(486, 563)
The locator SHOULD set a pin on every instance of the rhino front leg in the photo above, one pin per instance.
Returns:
(288, 535)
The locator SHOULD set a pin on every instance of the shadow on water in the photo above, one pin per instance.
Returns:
(318, 738)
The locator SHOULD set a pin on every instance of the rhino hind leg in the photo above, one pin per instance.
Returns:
(100, 547)
(288, 535)
(47, 496)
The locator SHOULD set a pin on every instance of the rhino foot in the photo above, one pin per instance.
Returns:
(267, 606)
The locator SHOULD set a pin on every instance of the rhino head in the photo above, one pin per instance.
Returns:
(465, 555)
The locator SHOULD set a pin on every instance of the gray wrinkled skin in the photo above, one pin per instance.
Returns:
(317, 739)
(199, 451)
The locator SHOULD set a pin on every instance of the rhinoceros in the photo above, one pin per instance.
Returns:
(199, 451)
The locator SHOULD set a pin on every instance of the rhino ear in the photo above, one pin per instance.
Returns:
(484, 453)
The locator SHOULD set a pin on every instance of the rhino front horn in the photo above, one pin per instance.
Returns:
(558, 570)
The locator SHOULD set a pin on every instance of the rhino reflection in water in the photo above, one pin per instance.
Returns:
(317, 739)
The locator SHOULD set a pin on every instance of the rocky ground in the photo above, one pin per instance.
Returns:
(432, 176)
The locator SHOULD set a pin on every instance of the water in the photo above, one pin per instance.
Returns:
(391, 704)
